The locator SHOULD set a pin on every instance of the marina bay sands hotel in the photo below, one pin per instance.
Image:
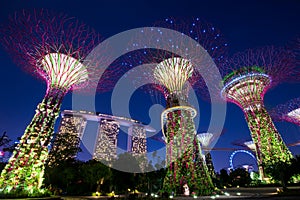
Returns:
(74, 123)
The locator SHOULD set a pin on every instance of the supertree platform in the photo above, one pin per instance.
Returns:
(205, 140)
(53, 47)
(289, 111)
(246, 87)
(182, 51)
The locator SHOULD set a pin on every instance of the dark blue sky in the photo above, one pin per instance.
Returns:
(245, 24)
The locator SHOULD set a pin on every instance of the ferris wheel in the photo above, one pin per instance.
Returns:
(239, 151)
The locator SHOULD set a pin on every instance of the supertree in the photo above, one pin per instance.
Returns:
(289, 111)
(250, 144)
(177, 69)
(205, 140)
(254, 72)
(53, 47)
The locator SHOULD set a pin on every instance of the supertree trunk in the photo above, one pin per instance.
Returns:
(25, 168)
(270, 148)
(186, 165)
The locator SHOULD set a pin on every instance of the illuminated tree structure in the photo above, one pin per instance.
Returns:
(205, 140)
(257, 71)
(53, 47)
(182, 51)
(290, 112)
(180, 129)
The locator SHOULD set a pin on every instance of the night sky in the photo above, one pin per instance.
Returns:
(244, 24)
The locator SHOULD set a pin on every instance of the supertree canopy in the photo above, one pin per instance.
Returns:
(289, 111)
(253, 73)
(173, 73)
(205, 139)
(181, 51)
(52, 47)
(250, 144)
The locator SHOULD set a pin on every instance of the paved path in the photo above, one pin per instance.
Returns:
(261, 193)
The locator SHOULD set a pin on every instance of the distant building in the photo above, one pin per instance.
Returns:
(72, 127)
(137, 143)
(106, 142)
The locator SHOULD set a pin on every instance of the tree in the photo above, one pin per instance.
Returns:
(128, 164)
(64, 176)
(240, 177)
(224, 178)
(65, 146)
(4, 140)
(283, 171)
(94, 174)
(5, 146)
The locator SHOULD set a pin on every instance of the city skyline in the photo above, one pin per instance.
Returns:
(245, 26)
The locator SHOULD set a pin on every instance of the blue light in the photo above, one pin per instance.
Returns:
(239, 151)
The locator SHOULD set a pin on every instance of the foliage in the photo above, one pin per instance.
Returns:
(186, 165)
(4, 140)
(95, 174)
(127, 163)
(24, 194)
(283, 171)
(64, 146)
(223, 178)
(240, 177)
